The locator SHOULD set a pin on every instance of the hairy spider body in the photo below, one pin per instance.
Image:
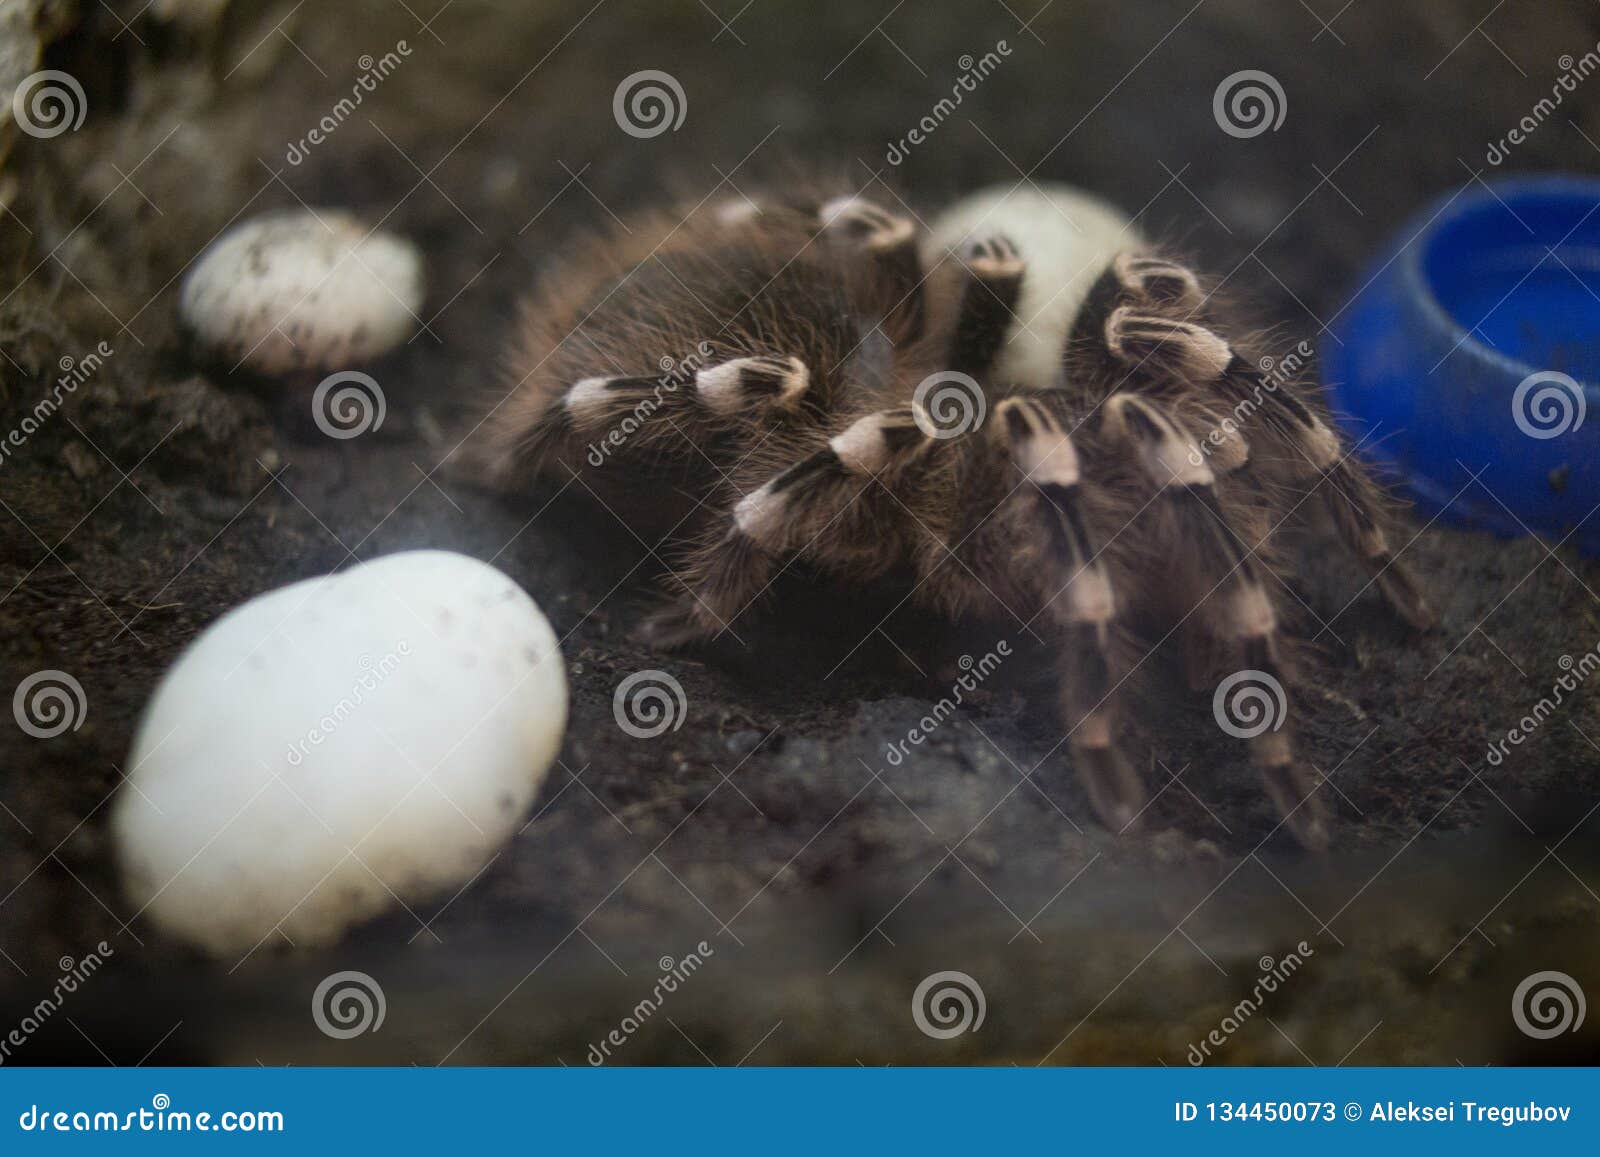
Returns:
(1024, 408)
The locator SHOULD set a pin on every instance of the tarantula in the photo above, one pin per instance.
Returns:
(1024, 408)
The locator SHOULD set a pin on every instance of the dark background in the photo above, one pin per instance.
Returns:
(168, 491)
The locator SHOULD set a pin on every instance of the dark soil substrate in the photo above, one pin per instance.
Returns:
(826, 881)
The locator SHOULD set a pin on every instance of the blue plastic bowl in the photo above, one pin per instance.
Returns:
(1473, 345)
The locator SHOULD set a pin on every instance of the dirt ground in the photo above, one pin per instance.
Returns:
(826, 882)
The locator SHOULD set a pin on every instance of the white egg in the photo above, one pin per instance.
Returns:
(303, 289)
(338, 746)
(1067, 237)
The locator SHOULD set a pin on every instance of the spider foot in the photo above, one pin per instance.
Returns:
(1157, 281)
(865, 223)
(1293, 791)
(1116, 793)
(733, 386)
(993, 258)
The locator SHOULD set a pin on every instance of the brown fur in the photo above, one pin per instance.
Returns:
(970, 527)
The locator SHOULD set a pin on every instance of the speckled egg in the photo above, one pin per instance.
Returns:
(303, 289)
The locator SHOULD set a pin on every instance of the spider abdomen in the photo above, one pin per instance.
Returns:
(1067, 238)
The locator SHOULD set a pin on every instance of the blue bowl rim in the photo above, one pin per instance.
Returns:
(1446, 210)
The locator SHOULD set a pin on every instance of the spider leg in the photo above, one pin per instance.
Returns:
(728, 574)
(1167, 346)
(781, 510)
(636, 415)
(1355, 504)
(1353, 501)
(1140, 286)
(1156, 281)
(728, 389)
(890, 241)
(713, 588)
(1138, 299)
(735, 387)
(1237, 611)
(1082, 613)
(1225, 448)
(988, 304)
(737, 212)
(1171, 460)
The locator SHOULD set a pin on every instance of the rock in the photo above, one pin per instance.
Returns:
(336, 746)
(303, 289)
